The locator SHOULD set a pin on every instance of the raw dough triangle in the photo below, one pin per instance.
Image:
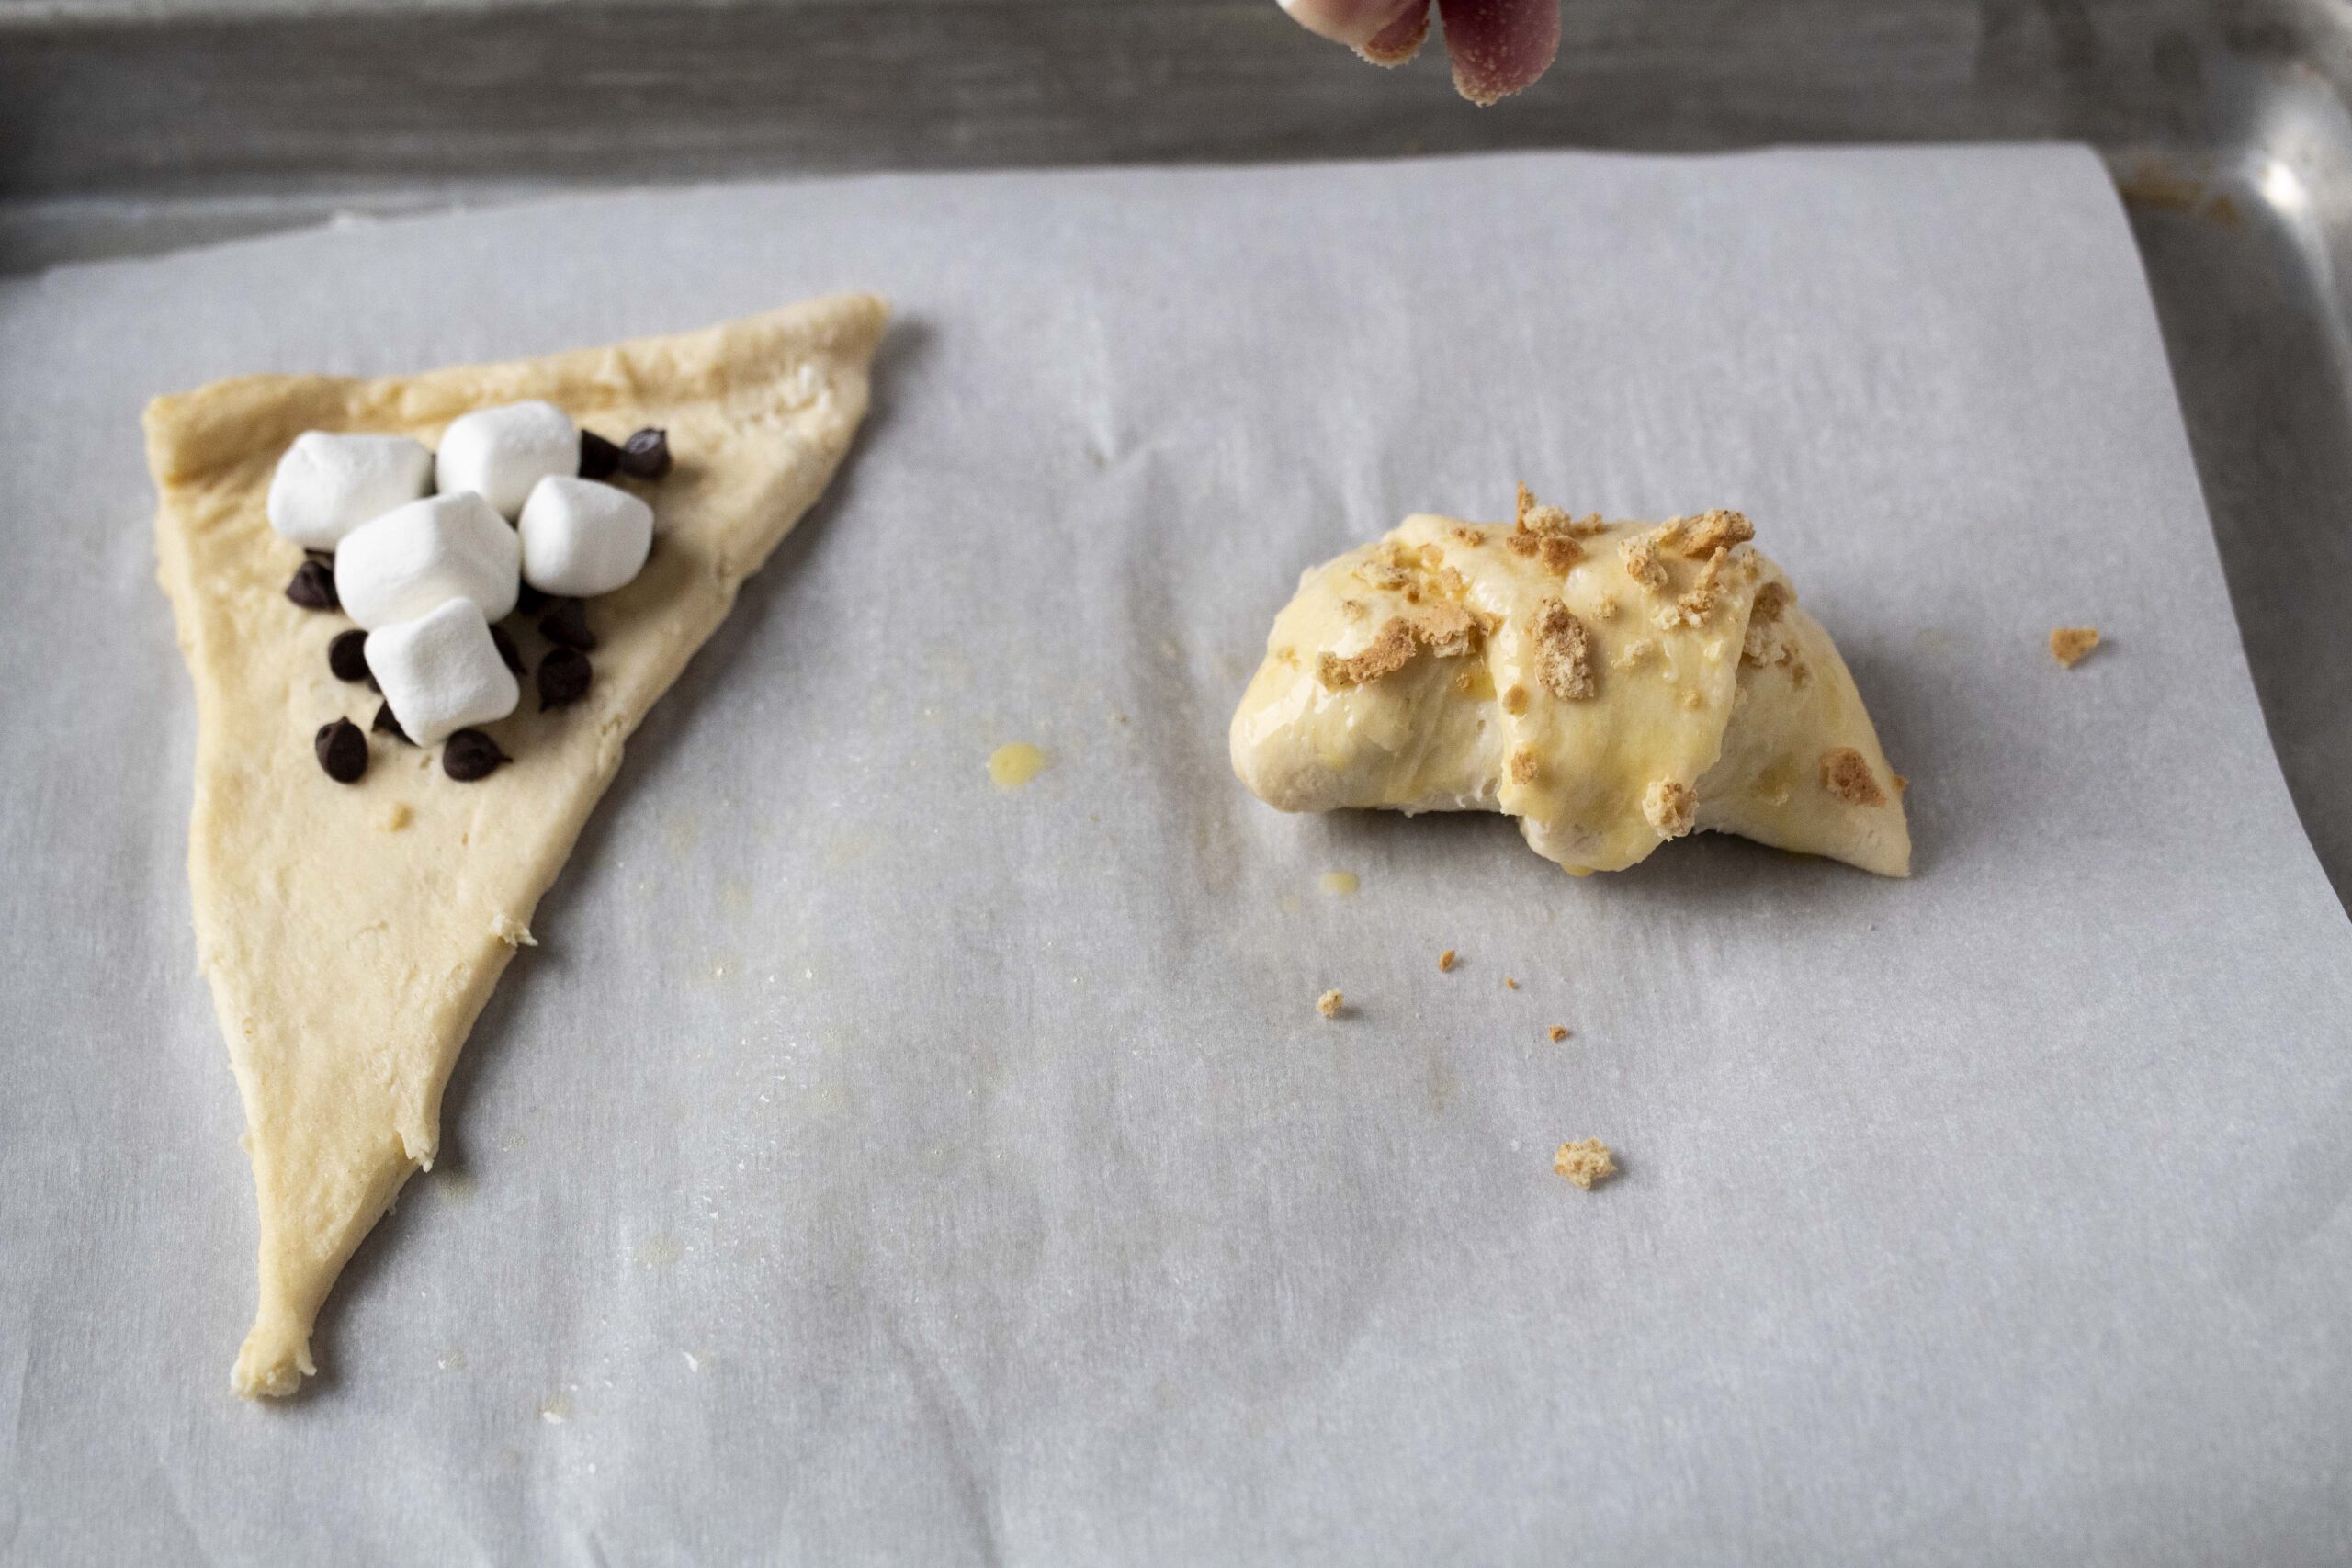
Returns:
(351, 934)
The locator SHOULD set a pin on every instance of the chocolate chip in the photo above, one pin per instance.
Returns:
(566, 626)
(343, 751)
(564, 675)
(347, 656)
(529, 601)
(506, 650)
(598, 457)
(646, 455)
(471, 755)
(387, 725)
(313, 586)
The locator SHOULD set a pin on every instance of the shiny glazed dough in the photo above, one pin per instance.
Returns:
(1611, 685)
(352, 933)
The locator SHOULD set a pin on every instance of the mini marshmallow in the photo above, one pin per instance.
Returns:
(410, 559)
(441, 671)
(503, 452)
(581, 538)
(327, 485)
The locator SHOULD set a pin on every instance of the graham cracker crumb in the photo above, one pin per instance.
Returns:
(1533, 518)
(1329, 1003)
(1640, 555)
(1473, 537)
(1694, 699)
(1390, 650)
(1669, 533)
(1445, 962)
(1524, 544)
(397, 817)
(1560, 553)
(1606, 606)
(1523, 766)
(1846, 775)
(1353, 609)
(1716, 530)
(1511, 983)
(1515, 701)
(1634, 654)
(1586, 526)
(1670, 806)
(2069, 644)
(1563, 659)
(1771, 600)
(1585, 1163)
(1694, 608)
(1559, 1033)
(1447, 630)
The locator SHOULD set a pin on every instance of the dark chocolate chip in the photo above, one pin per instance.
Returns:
(528, 600)
(313, 586)
(646, 455)
(506, 650)
(347, 656)
(387, 725)
(343, 751)
(598, 457)
(471, 755)
(564, 675)
(566, 626)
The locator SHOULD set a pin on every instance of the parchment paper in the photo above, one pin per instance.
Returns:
(874, 1165)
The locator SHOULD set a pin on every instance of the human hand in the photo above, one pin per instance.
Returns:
(1499, 45)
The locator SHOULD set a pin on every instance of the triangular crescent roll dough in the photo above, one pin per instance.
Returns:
(352, 933)
(1611, 687)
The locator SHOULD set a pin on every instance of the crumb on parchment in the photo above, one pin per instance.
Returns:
(1559, 1033)
(1585, 1163)
(1329, 1003)
(1511, 983)
(2069, 644)
(1445, 962)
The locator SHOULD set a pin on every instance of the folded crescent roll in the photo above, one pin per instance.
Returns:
(1611, 685)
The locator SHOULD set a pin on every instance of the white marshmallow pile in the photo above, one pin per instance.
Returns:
(441, 671)
(424, 574)
(327, 485)
(413, 557)
(581, 538)
(503, 452)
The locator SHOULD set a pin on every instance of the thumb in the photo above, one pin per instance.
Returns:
(1352, 22)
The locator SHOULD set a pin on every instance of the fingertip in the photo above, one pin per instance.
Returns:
(1500, 46)
(1400, 40)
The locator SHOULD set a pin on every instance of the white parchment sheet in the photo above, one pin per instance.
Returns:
(874, 1165)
